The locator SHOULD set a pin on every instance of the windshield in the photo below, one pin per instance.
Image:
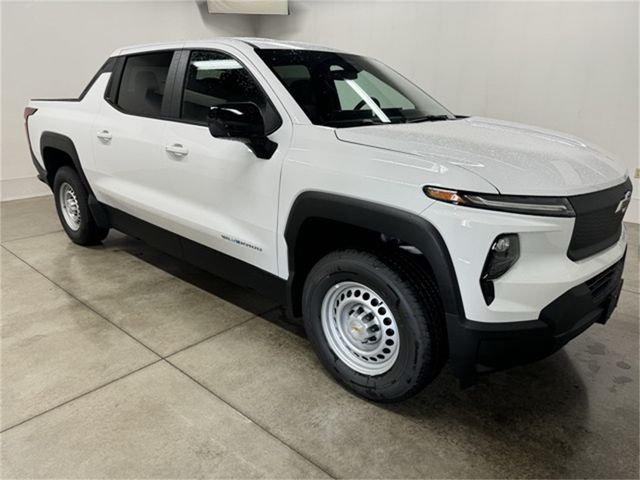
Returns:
(342, 90)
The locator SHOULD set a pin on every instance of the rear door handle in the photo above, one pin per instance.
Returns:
(104, 135)
(177, 149)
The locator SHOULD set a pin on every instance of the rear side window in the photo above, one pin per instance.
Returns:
(143, 83)
(213, 78)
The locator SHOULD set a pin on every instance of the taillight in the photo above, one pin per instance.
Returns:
(28, 111)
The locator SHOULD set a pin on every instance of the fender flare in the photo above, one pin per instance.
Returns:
(405, 226)
(65, 144)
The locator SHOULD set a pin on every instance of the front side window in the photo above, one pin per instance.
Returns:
(213, 79)
(142, 87)
(343, 90)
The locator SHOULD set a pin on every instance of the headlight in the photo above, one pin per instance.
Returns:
(547, 206)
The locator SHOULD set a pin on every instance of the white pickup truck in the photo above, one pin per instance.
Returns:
(402, 235)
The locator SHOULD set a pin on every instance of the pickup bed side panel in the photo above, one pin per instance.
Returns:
(70, 119)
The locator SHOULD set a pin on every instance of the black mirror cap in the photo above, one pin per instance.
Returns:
(236, 120)
(241, 121)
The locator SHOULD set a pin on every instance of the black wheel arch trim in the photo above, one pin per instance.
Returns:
(408, 227)
(65, 144)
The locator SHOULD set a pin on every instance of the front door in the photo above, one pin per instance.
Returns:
(222, 195)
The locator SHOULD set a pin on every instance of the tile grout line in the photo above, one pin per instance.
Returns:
(89, 307)
(95, 389)
(242, 322)
(258, 424)
(160, 357)
(102, 316)
(30, 236)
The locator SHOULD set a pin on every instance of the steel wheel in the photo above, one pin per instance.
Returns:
(359, 328)
(70, 206)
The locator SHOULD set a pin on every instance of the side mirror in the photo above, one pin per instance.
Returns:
(241, 121)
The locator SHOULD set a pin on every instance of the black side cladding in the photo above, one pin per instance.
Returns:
(203, 257)
(598, 220)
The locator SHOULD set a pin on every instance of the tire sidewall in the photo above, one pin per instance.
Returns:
(67, 175)
(410, 327)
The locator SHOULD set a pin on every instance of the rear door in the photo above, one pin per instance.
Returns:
(129, 134)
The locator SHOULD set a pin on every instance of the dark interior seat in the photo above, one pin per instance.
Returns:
(147, 93)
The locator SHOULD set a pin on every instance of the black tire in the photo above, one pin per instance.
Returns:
(412, 296)
(87, 232)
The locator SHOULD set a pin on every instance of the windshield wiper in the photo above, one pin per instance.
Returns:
(353, 123)
(428, 118)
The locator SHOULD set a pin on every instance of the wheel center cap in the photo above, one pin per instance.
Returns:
(357, 329)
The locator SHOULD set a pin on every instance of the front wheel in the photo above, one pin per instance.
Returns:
(376, 323)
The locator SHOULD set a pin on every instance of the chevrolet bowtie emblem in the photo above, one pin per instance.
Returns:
(624, 203)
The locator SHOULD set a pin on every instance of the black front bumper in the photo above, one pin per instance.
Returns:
(479, 347)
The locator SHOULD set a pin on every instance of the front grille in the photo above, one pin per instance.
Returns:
(598, 225)
(602, 284)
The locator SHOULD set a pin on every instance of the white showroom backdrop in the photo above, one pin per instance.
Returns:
(571, 66)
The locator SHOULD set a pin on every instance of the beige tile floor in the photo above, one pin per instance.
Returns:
(119, 361)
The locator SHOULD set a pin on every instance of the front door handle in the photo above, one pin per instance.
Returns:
(104, 135)
(177, 149)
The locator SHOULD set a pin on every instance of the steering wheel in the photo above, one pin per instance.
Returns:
(362, 103)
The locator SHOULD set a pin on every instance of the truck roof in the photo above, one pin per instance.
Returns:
(266, 43)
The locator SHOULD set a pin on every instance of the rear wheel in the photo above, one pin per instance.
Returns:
(73, 209)
(376, 323)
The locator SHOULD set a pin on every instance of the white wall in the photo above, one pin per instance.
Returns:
(570, 66)
(52, 49)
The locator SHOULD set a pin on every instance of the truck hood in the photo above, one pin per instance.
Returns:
(517, 159)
